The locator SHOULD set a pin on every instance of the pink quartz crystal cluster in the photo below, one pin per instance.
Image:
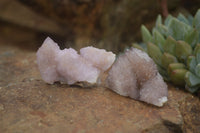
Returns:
(133, 73)
(67, 66)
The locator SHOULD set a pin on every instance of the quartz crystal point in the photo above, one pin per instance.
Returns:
(134, 74)
(67, 66)
(47, 64)
(73, 68)
(98, 57)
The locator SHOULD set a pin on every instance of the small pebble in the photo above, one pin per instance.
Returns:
(71, 121)
(1, 107)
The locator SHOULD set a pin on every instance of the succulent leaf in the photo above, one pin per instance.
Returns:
(146, 35)
(196, 21)
(177, 66)
(191, 63)
(158, 39)
(178, 29)
(135, 45)
(198, 57)
(174, 66)
(183, 50)
(177, 76)
(162, 29)
(158, 20)
(197, 49)
(155, 53)
(191, 79)
(192, 89)
(168, 59)
(197, 70)
(170, 45)
(168, 19)
(182, 18)
(190, 19)
(192, 38)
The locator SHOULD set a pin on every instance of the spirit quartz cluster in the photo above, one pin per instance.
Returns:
(132, 74)
(67, 66)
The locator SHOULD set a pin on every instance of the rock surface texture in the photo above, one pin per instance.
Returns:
(27, 104)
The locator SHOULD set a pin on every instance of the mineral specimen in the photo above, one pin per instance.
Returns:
(46, 61)
(73, 68)
(99, 58)
(134, 74)
(67, 66)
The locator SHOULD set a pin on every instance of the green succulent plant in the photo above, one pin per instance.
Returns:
(174, 45)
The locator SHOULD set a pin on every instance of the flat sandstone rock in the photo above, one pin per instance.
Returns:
(27, 104)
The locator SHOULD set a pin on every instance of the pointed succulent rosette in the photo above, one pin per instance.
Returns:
(174, 45)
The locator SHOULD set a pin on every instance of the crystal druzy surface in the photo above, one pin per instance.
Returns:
(134, 74)
(67, 66)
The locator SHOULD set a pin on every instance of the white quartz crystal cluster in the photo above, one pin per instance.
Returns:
(134, 74)
(67, 66)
